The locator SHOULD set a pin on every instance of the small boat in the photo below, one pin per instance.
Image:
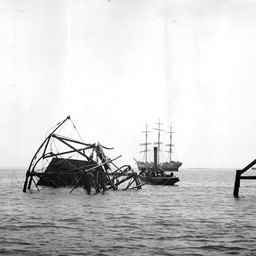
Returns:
(158, 180)
(158, 173)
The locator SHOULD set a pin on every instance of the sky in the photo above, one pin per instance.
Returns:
(113, 65)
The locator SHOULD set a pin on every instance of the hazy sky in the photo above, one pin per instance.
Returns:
(113, 65)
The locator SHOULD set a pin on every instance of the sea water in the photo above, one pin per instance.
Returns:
(198, 216)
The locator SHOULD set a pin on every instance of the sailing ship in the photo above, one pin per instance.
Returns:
(170, 165)
(157, 172)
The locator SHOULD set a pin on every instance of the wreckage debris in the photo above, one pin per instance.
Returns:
(65, 162)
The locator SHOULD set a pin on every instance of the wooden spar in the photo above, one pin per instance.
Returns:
(47, 142)
(155, 159)
(248, 166)
(30, 181)
(30, 165)
(64, 142)
(106, 147)
(132, 175)
(248, 177)
(125, 179)
(35, 184)
(119, 169)
(76, 184)
(116, 173)
(72, 140)
(63, 153)
(26, 181)
(238, 177)
(139, 186)
(137, 181)
(43, 155)
(130, 183)
(129, 176)
(109, 161)
(102, 156)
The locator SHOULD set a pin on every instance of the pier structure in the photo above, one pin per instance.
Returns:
(239, 177)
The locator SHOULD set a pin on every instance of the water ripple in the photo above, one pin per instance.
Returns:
(198, 217)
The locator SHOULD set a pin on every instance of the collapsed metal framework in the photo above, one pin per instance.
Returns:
(65, 162)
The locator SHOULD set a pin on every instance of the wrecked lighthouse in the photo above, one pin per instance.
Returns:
(62, 161)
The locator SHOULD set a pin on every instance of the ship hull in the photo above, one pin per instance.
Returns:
(166, 167)
(159, 180)
(170, 166)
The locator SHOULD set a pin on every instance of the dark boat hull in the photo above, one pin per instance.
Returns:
(166, 166)
(159, 180)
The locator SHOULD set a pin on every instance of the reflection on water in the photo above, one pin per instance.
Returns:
(200, 216)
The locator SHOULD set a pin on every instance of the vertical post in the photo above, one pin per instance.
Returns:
(237, 183)
(26, 181)
(155, 159)
(137, 180)
(30, 181)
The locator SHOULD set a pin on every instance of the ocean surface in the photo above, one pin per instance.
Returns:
(199, 216)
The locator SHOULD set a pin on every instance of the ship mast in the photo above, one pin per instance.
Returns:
(146, 143)
(158, 141)
(170, 145)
